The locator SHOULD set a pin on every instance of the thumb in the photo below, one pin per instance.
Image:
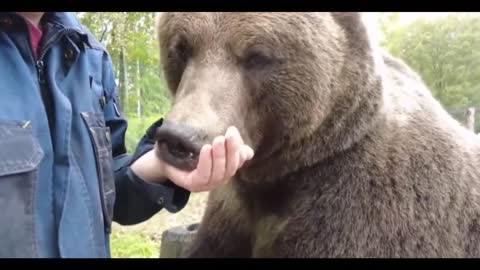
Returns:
(178, 177)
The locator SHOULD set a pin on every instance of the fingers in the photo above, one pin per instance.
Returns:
(217, 163)
(246, 153)
(233, 151)
(179, 177)
(250, 152)
(202, 174)
(219, 159)
(197, 178)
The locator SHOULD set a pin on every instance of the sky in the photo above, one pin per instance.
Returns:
(408, 17)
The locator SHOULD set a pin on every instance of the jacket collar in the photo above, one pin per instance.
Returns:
(59, 20)
(69, 21)
(64, 20)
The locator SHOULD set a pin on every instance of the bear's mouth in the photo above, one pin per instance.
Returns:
(178, 153)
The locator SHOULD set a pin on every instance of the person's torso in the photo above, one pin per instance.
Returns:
(52, 175)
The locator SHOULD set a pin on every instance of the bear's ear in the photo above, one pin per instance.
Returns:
(352, 19)
(158, 22)
(161, 19)
(347, 19)
(352, 24)
(362, 32)
(356, 22)
(361, 28)
(158, 17)
(161, 25)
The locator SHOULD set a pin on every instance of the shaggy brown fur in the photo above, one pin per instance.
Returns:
(353, 155)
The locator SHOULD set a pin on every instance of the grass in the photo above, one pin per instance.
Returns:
(133, 245)
(144, 240)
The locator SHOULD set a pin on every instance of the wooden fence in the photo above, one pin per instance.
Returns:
(470, 119)
(467, 116)
(176, 241)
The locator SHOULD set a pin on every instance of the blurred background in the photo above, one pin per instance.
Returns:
(444, 48)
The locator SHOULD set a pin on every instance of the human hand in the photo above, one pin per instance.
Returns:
(217, 164)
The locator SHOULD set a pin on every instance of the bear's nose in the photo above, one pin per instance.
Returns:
(178, 145)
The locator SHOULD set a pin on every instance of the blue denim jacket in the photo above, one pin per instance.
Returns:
(64, 171)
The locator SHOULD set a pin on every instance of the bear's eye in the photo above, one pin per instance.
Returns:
(256, 60)
(181, 50)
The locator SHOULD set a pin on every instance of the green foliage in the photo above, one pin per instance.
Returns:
(136, 129)
(131, 41)
(446, 53)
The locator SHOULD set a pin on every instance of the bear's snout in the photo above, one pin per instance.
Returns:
(178, 145)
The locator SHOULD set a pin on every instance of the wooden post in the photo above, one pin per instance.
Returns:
(470, 123)
(175, 241)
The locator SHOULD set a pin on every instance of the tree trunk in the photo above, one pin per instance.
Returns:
(123, 80)
(139, 93)
(124, 69)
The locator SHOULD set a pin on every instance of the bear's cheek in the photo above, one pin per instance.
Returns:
(287, 104)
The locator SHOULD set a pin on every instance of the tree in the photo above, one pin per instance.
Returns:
(446, 53)
(131, 42)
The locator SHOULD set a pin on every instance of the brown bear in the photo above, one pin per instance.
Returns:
(353, 155)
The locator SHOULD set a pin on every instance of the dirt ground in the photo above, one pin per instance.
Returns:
(154, 227)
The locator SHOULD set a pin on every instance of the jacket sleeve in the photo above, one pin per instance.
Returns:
(136, 200)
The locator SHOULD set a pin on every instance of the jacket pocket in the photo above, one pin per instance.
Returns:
(100, 136)
(20, 156)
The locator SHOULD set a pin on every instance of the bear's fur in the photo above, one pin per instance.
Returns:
(353, 155)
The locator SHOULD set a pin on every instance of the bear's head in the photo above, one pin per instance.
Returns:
(298, 86)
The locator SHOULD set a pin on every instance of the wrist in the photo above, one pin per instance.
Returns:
(165, 194)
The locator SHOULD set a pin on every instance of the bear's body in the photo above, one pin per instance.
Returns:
(354, 157)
